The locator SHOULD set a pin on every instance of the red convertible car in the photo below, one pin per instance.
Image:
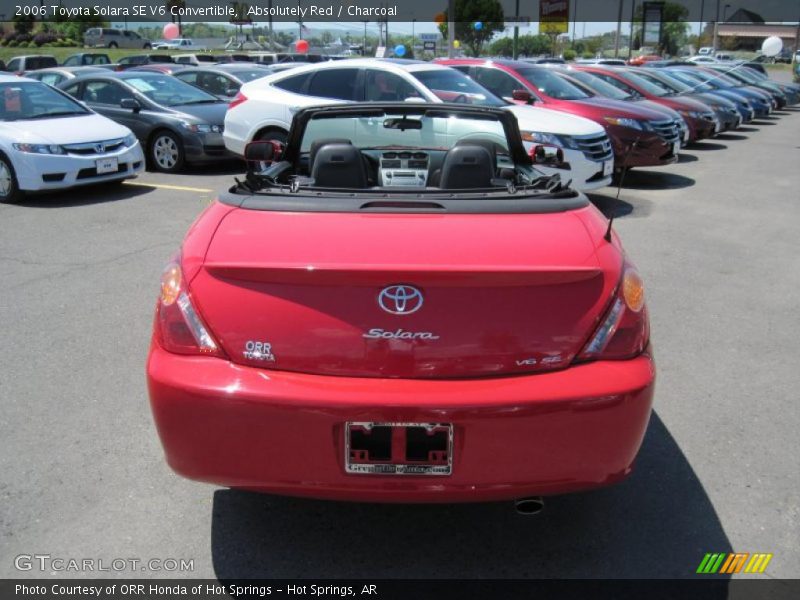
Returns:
(398, 307)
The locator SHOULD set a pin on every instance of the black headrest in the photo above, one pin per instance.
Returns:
(490, 145)
(317, 144)
(467, 167)
(340, 166)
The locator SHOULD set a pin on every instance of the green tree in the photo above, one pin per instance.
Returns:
(468, 12)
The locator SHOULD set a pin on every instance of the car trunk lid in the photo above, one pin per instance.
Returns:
(404, 295)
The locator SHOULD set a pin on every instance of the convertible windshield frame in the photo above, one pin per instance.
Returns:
(516, 149)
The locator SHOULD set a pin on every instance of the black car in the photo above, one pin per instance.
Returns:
(175, 122)
(223, 81)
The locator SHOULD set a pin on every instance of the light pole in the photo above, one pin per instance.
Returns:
(716, 29)
(451, 28)
(413, 38)
(574, 23)
(364, 47)
(619, 29)
(700, 26)
(515, 46)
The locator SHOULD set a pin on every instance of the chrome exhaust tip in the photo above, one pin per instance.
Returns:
(529, 506)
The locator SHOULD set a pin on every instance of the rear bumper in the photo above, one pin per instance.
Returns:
(283, 433)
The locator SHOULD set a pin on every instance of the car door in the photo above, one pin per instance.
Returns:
(104, 96)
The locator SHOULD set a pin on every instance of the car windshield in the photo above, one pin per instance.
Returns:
(719, 78)
(739, 75)
(168, 91)
(656, 89)
(412, 132)
(599, 86)
(33, 100)
(666, 80)
(550, 84)
(453, 86)
(694, 84)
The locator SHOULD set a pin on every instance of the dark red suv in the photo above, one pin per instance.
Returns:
(641, 137)
(698, 116)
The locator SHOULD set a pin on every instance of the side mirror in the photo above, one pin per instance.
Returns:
(263, 153)
(130, 104)
(522, 96)
(546, 155)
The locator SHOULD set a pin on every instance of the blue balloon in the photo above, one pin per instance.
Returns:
(478, 25)
(399, 50)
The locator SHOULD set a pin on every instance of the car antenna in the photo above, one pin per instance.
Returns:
(607, 236)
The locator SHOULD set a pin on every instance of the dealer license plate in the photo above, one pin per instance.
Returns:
(676, 147)
(376, 448)
(608, 166)
(106, 165)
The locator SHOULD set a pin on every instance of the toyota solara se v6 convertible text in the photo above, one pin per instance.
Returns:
(424, 318)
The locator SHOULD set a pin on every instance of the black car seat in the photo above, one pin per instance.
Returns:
(338, 165)
(317, 144)
(490, 145)
(467, 166)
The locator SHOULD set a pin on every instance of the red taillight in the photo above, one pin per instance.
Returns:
(179, 327)
(625, 329)
(237, 100)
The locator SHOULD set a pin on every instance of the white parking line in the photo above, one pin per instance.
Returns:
(164, 186)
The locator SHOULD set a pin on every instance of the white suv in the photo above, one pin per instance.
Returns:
(263, 109)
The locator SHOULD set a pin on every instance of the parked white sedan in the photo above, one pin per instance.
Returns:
(263, 109)
(50, 141)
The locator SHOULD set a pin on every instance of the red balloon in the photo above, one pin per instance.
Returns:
(170, 31)
(301, 46)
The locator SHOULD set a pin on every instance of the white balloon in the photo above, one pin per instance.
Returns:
(772, 46)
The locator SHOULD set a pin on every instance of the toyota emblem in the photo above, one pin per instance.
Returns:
(400, 299)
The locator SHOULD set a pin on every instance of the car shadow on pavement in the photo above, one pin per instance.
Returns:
(83, 196)
(762, 121)
(658, 523)
(706, 146)
(610, 205)
(686, 158)
(640, 179)
(731, 137)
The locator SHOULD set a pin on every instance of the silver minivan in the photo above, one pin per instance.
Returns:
(115, 38)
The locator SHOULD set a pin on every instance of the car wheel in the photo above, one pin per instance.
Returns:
(112, 45)
(9, 189)
(277, 135)
(166, 152)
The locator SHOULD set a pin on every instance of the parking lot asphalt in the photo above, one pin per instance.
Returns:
(82, 473)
